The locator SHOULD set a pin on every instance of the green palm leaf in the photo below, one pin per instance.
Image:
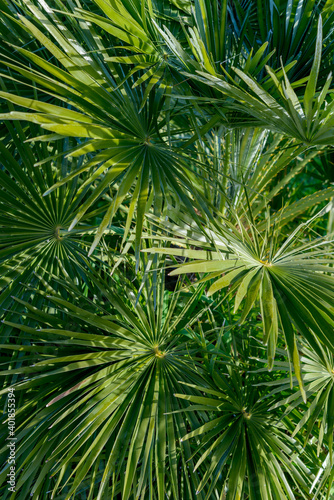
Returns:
(245, 441)
(196, 129)
(108, 379)
(318, 376)
(310, 122)
(34, 229)
(293, 282)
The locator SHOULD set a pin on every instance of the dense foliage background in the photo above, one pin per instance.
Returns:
(166, 251)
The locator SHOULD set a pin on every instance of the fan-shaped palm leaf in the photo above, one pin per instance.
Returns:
(34, 229)
(309, 121)
(108, 372)
(318, 374)
(294, 282)
(245, 442)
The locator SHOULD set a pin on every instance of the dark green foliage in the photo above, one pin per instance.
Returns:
(166, 249)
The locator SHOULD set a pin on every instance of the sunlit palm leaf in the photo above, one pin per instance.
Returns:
(108, 378)
(293, 282)
(318, 370)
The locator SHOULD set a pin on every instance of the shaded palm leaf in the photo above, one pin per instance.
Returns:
(34, 229)
(245, 165)
(290, 27)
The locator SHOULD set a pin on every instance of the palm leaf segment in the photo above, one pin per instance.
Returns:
(109, 380)
(289, 28)
(318, 370)
(244, 166)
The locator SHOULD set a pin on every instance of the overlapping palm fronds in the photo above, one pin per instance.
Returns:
(131, 133)
(293, 281)
(200, 132)
(107, 373)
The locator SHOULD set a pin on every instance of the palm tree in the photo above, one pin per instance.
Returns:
(166, 252)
